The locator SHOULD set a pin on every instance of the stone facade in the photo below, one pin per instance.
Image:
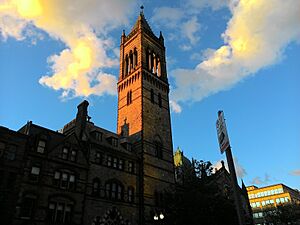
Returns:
(84, 174)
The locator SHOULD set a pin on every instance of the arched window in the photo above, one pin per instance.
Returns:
(60, 210)
(154, 69)
(135, 58)
(96, 187)
(126, 65)
(130, 61)
(158, 147)
(152, 96)
(114, 190)
(28, 205)
(150, 60)
(129, 97)
(158, 68)
(159, 100)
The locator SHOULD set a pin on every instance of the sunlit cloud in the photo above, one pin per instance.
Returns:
(78, 70)
(255, 38)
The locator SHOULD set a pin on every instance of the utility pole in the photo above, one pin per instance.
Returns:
(225, 147)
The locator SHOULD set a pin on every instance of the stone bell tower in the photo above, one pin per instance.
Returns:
(143, 105)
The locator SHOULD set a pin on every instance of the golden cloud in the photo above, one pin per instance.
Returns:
(82, 27)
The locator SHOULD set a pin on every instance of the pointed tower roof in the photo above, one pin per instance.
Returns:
(142, 23)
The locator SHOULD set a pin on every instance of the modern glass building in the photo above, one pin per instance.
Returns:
(267, 198)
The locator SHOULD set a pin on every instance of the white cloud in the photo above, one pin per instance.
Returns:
(178, 19)
(83, 27)
(255, 38)
(214, 4)
(190, 29)
(168, 16)
(295, 172)
(175, 107)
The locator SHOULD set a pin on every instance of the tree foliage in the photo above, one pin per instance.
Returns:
(199, 201)
(283, 215)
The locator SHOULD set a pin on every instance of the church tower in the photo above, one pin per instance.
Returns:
(143, 108)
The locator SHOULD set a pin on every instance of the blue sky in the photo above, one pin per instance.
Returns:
(219, 56)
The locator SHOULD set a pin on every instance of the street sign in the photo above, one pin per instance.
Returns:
(222, 132)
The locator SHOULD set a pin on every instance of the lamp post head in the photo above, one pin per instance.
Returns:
(161, 216)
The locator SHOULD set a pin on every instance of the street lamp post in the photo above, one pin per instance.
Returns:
(158, 219)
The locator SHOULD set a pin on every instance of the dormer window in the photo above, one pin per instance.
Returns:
(98, 157)
(41, 146)
(98, 136)
(114, 142)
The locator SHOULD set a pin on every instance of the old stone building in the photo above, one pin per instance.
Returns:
(84, 174)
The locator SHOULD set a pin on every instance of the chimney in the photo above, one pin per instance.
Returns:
(81, 118)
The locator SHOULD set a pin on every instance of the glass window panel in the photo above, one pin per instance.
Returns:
(65, 176)
(65, 153)
(57, 175)
(120, 164)
(35, 170)
(115, 162)
(68, 208)
(107, 188)
(72, 178)
(73, 155)
(41, 146)
(51, 206)
(108, 160)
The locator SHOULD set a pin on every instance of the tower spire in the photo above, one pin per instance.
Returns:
(142, 10)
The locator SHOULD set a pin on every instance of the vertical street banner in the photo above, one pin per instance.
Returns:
(222, 132)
